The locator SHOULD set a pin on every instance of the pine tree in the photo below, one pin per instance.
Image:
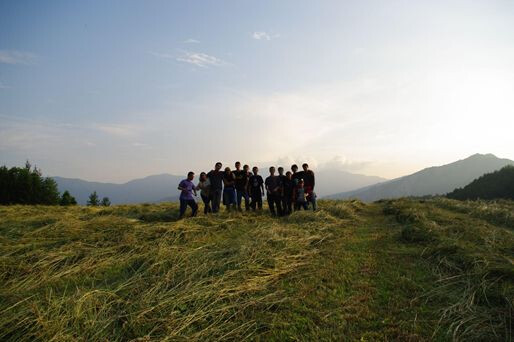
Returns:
(26, 185)
(67, 199)
(106, 202)
(93, 199)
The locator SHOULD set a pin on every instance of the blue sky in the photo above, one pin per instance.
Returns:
(116, 90)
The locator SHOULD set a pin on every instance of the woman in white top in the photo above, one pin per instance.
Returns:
(205, 186)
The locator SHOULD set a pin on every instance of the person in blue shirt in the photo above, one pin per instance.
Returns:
(187, 189)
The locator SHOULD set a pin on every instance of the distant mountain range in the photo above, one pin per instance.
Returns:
(342, 184)
(437, 180)
(163, 188)
(150, 189)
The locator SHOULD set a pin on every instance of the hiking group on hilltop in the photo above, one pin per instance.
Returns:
(293, 190)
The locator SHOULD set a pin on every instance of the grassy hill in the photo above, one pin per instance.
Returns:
(394, 270)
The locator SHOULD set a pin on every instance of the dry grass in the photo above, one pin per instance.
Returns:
(135, 272)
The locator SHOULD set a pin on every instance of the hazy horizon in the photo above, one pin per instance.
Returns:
(122, 90)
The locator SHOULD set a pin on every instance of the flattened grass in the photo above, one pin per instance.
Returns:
(394, 270)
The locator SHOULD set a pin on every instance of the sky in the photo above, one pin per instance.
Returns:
(117, 90)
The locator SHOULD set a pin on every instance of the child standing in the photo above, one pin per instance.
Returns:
(300, 196)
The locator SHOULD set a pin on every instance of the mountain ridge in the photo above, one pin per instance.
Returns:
(434, 180)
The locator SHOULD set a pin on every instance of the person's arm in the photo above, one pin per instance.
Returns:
(262, 187)
(180, 187)
(313, 180)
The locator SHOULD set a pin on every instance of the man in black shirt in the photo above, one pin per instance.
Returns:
(273, 188)
(216, 178)
(242, 185)
(287, 193)
(256, 189)
(296, 176)
(308, 178)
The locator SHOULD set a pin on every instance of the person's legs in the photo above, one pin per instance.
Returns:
(305, 206)
(233, 199)
(271, 204)
(259, 202)
(253, 202)
(286, 205)
(206, 206)
(216, 200)
(239, 195)
(183, 207)
(194, 207)
(213, 200)
(278, 203)
(313, 201)
(247, 201)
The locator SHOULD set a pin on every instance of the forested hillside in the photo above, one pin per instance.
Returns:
(495, 185)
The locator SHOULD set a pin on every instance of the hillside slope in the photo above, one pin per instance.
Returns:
(436, 180)
(399, 270)
(495, 185)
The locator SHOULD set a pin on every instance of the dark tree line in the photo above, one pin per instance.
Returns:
(26, 185)
(495, 185)
(94, 200)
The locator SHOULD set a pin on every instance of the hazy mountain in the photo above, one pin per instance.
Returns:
(430, 181)
(149, 189)
(333, 181)
(498, 184)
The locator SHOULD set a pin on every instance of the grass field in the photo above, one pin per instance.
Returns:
(403, 270)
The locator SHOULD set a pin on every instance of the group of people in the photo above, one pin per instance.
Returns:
(293, 190)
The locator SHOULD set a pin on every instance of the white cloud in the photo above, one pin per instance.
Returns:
(191, 41)
(200, 59)
(118, 130)
(341, 163)
(16, 57)
(261, 35)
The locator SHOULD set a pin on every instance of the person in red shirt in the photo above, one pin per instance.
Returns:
(309, 182)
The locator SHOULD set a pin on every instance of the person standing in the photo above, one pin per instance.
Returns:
(272, 183)
(287, 193)
(241, 177)
(296, 175)
(308, 178)
(229, 190)
(204, 185)
(216, 179)
(187, 188)
(256, 189)
(299, 196)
